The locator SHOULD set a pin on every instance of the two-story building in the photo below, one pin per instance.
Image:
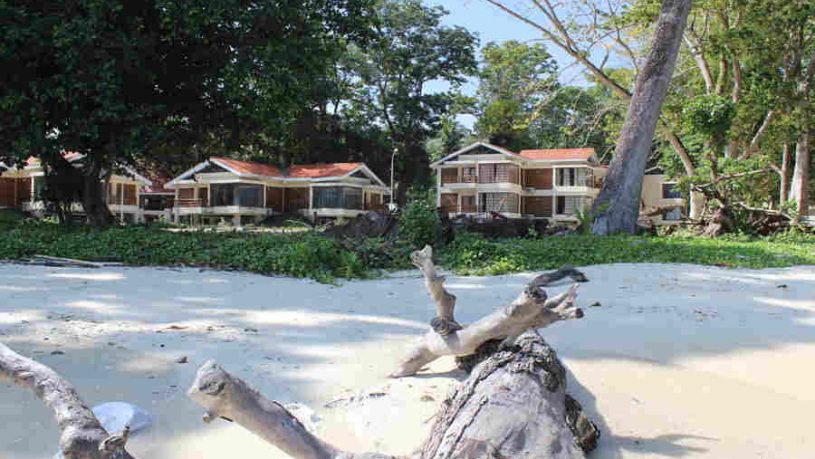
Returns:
(240, 192)
(555, 184)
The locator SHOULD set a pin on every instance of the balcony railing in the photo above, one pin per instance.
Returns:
(190, 202)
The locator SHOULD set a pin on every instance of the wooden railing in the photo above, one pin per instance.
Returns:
(189, 202)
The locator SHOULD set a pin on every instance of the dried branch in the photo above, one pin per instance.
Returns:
(81, 435)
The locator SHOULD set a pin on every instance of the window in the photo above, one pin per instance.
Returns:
(337, 197)
(500, 202)
(569, 205)
(250, 195)
(567, 177)
(39, 188)
(237, 195)
(672, 215)
(498, 173)
(223, 195)
(669, 191)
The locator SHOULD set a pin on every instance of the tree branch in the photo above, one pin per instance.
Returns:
(531, 309)
(229, 397)
(81, 435)
(444, 323)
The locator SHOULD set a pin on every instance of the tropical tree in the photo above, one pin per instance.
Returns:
(410, 49)
(120, 80)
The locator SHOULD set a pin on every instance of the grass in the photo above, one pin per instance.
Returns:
(312, 255)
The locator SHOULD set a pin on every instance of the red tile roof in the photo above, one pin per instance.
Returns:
(245, 167)
(322, 170)
(297, 171)
(556, 154)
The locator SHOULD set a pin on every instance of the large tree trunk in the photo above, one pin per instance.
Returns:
(94, 197)
(80, 432)
(513, 405)
(617, 207)
(799, 190)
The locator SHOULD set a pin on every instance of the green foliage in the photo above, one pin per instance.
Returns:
(302, 254)
(709, 115)
(419, 221)
(411, 48)
(521, 104)
(309, 254)
(473, 255)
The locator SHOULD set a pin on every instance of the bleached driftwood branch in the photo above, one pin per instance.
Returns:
(531, 309)
(229, 397)
(81, 435)
(444, 323)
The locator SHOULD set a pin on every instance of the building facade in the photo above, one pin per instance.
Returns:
(22, 189)
(555, 184)
(223, 190)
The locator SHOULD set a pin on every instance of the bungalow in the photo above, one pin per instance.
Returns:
(22, 189)
(221, 189)
(555, 184)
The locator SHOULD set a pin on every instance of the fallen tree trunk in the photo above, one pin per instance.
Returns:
(531, 309)
(81, 435)
(513, 405)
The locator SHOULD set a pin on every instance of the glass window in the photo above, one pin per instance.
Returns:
(250, 195)
(669, 191)
(39, 188)
(223, 195)
(500, 202)
(337, 197)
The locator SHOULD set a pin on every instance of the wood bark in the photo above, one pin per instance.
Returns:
(513, 405)
(784, 173)
(80, 432)
(93, 197)
(616, 209)
(531, 309)
(799, 189)
(228, 397)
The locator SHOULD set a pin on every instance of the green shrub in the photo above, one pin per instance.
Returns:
(419, 223)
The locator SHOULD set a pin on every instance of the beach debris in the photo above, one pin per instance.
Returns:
(182, 359)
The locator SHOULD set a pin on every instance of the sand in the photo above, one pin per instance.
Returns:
(676, 361)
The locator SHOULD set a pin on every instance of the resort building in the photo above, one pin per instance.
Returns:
(239, 192)
(556, 184)
(22, 189)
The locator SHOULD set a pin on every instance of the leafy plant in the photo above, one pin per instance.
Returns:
(419, 221)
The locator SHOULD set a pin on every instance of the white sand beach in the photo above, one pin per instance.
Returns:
(677, 361)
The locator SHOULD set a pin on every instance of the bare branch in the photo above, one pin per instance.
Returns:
(229, 397)
(81, 435)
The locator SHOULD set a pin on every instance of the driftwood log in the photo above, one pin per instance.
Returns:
(532, 309)
(513, 404)
(81, 435)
